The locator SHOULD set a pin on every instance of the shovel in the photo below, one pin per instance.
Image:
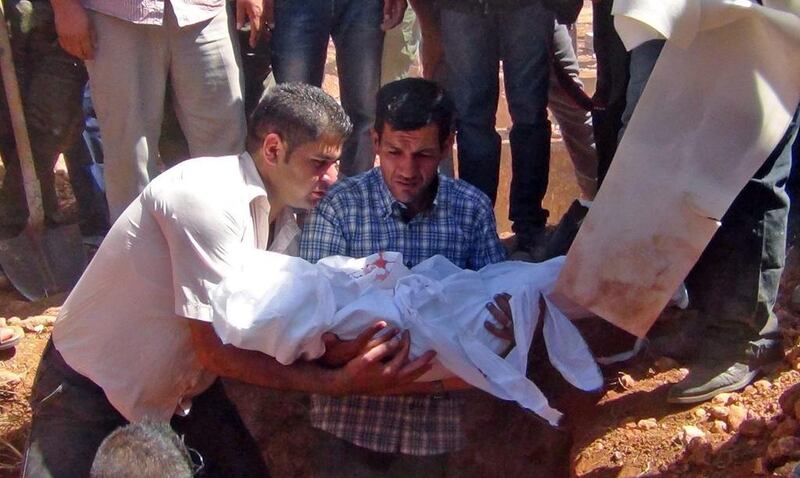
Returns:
(40, 261)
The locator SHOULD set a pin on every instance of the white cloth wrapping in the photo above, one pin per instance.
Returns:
(281, 306)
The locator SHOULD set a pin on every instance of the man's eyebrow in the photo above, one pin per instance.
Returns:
(325, 157)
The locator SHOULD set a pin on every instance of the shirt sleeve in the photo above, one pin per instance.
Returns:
(323, 234)
(204, 241)
(487, 247)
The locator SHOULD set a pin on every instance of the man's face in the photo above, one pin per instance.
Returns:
(304, 177)
(409, 162)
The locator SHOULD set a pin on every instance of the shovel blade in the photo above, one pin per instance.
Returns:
(43, 263)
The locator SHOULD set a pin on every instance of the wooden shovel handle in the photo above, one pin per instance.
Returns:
(33, 191)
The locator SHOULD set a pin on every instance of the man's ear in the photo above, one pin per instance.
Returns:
(273, 148)
(447, 146)
(376, 141)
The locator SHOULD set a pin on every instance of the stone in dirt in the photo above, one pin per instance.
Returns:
(752, 428)
(626, 381)
(37, 323)
(718, 412)
(789, 398)
(14, 321)
(782, 449)
(700, 414)
(647, 424)
(722, 399)
(699, 451)
(9, 379)
(762, 385)
(736, 415)
(718, 426)
(786, 428)
(689, 433)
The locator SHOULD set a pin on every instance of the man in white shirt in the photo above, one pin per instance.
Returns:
(134, 339)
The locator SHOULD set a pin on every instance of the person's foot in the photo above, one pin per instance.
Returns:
(533, 243)
(708, 379)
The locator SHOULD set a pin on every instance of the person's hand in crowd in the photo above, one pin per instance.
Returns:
(504, 326)
(252, 11)
(74, 28)
(393, 11)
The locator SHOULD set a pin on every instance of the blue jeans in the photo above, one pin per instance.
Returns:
(299, 50)
(474, 45)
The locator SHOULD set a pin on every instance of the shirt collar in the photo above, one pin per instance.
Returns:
(391, 206)
(255, 193)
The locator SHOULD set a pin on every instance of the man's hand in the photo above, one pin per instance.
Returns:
(393, 11)
(338, 352)
(75, 32)
(253, 11)
(501, 311)
(383, 367)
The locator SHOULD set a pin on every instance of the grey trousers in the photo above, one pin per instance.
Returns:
(128, 78)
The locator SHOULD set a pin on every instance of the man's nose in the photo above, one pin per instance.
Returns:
(330, 175)
(406, 166)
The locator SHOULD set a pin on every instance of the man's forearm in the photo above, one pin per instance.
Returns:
(260, 369)
(452, 384)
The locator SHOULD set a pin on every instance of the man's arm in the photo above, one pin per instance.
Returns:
(74, 28)
(380, 364)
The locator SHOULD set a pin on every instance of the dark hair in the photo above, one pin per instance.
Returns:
(413, 103)
(299, 113)
(142, 450)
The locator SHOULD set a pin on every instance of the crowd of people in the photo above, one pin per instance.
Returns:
(134, 341)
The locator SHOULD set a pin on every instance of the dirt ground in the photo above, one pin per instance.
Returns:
(631, 431)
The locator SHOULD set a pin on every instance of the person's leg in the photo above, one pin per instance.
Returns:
(472, 61)
(300, 40)
(71, 417)
(575, 122)
(612, 81)
(128, 79)
(359, 45)
(526, 40)
(214, 429)
(400, 49)
(735, 285)
(207, 85)
(643, 60)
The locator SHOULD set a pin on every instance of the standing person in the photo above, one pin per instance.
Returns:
(477, 35)
(51, 83)
(134, 339)
(299, 51)
(132, 49)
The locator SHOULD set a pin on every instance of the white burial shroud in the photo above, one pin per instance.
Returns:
(719, 100)
(281, 306)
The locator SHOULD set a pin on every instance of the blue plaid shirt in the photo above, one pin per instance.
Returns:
(359, 217)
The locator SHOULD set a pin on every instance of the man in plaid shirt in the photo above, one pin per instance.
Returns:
(406, 206)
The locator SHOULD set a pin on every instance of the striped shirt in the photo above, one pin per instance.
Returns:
(359, 217)
(153, 12)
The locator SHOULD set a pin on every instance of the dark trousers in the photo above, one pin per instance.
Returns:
(72, 416)
(612, 82)
(474, 45)
(51, 83)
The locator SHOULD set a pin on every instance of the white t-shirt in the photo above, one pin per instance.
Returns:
(124, 325)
